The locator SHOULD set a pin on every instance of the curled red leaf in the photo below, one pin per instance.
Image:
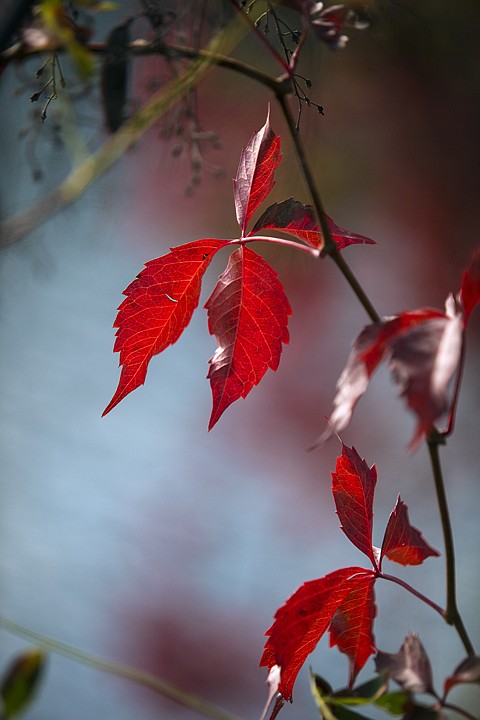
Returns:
(248, 314)
(470, 286)
(403, 543)
(295, 218)
(159, 305)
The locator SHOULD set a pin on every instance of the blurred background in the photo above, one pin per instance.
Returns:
(141, 537)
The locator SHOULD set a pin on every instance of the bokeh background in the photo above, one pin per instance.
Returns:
(144, 539)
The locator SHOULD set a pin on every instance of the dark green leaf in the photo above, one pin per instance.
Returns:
(20, 682)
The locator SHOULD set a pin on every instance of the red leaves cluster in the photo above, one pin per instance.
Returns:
(343, 601)
(247, 310)
(423, 350)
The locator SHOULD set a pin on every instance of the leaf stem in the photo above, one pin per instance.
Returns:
(162, 687)
(452, 615)
(330, 247)
(412, 590)
(278, 58)
(279, 241)
(459, 710)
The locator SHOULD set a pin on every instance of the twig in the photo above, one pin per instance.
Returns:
(162, 687)
(452, 615)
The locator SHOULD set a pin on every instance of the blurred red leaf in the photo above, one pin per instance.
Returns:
(403, 543)
(248, 314)
(305, 617)
(351, 628)
(410, 667)
(422, 349)
(254, 179)
(295, 218)
(467, 672)
(159, 305)
(353, 488)
(470, 286)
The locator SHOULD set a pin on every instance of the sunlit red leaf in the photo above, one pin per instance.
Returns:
(255, 174)
(353, 488)
(158, 306)
(402, 542)
(422, 349)
(467, 672)
(248, 314)
(410, 667)
(352, 625)
(295, 218)
(470, 287)
(305, 617)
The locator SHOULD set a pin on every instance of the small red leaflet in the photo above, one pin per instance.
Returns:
(159, 305)
(343, 602)
(353, 487)
(247, 310)
(295, 218)
(248, 314)
(402, 542)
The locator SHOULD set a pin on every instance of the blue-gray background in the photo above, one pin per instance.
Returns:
(140, 537)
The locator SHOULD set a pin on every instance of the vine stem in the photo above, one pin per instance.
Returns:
(158, 685)
(412, 590)
(278, 241)
(452, 615)
(330, 247)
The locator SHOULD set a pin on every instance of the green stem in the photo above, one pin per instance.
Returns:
(452, 615)
(162, 687)
(330, 247)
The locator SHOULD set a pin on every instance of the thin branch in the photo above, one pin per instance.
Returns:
(412, 590)
(459, 710)
(115, 147)
(162, 687)
(452, 615)
(330, 247)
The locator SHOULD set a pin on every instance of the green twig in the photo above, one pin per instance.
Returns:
(162, 687)
(452, 615)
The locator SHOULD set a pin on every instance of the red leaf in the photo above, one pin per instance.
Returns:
(254, 179)
(352, 626)
(402, 542)
(410, 667)
(422, 349)
(353, 488)
(297, 219)
(158, 306)
(305, 617)
(467, 672)
(470, 287)
(248, 314)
